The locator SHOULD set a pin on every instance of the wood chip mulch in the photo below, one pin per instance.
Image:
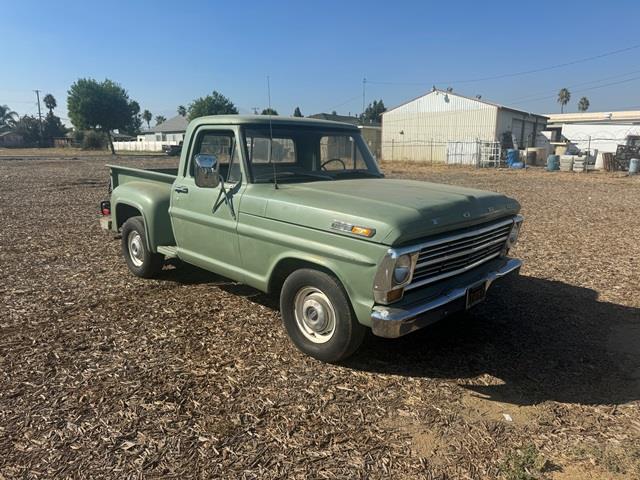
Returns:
(104, 375)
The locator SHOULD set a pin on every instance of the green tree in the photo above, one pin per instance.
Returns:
(8, 118)
(147, 117)
(297, 112)
(50, 102)
(182, 110)
(134, 127)
(564, 95)
(269, 111)
(160, 119)
(214, 104)
(583, 104)
(373, 112)
(53, 128)
(29, 127)
(102, 106)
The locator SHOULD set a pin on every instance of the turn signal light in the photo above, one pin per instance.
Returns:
(394, 295)
(364, 231)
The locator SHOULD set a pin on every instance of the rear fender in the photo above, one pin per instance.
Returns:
(152, 201)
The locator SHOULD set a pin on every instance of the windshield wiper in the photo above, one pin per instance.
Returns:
(289, 175)
(357, 172)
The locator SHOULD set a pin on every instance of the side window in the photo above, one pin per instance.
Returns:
(283, 150)
(344, 152)
(223, 145)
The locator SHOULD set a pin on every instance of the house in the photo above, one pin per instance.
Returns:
(371, 132)
(170, 131)
(11, 139)
(443, 126)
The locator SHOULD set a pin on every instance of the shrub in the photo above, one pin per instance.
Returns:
(94, 140)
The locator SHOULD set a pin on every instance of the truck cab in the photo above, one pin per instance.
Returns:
(300, 209)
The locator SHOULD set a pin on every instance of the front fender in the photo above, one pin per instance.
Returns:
(152, 200)
(265, 243)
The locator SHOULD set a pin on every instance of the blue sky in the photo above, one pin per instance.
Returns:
(317, 53)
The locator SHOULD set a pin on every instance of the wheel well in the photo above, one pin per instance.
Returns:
(124, 212)
(286, 267)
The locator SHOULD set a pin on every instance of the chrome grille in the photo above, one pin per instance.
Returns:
(457, 253)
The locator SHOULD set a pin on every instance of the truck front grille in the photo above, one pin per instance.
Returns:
(459, 252)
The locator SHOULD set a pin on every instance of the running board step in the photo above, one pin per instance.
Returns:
(168, 251)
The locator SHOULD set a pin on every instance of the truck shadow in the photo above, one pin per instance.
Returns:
(542, 340)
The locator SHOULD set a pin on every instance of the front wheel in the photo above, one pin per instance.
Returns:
(318, 317)
(140, 260)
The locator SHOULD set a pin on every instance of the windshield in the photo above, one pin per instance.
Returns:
(307, 154)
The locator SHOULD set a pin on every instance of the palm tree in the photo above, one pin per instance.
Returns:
(564, 96)
(583, 104)
(7, 118)
(146, 116)
(182, 110)
(160, 119)
(297, 112)
(50, 102)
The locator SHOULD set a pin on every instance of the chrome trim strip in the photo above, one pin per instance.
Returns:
(445, 257)
(393, 322)
(457, 244)
(459, 236)
(453, 273)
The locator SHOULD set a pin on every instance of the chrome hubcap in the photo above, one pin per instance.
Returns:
(136, 249)
(315, 315)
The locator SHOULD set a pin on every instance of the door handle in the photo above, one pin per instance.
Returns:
(180, 189)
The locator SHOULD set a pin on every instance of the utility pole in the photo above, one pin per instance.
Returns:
(364, 91)
(39, 114)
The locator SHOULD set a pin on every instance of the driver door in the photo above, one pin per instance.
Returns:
(204, 222)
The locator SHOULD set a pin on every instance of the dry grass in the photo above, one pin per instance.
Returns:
(103, 375)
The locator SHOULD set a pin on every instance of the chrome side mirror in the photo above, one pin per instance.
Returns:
(207, 171)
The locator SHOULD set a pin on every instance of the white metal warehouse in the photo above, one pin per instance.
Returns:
(444, 126)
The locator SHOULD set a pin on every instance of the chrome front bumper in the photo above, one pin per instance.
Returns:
(393, 322)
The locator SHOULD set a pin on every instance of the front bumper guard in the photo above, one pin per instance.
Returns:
(393, 322)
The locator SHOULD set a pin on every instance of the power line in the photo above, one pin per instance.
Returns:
(516, 74)
(517, 99)
(579, 91)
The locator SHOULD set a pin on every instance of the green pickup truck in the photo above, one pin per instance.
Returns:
(299, 208)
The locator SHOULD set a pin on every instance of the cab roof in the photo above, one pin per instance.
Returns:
(275, 120)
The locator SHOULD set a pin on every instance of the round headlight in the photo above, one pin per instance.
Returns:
(402, 270)
(513, 235)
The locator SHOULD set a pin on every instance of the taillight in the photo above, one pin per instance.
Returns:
(105, 207)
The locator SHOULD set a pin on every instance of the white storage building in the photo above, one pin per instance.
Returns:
(443, 126)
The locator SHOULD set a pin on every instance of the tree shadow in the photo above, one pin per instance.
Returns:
(545, 340)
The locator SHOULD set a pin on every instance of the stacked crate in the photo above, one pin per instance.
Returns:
(566, 163)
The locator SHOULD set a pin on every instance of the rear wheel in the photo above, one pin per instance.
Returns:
(140, 260)
(318, 317)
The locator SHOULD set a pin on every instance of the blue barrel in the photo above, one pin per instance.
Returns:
(634, 166)
(513, 156)
(553, 163)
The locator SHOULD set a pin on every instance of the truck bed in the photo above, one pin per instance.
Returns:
(121, 175)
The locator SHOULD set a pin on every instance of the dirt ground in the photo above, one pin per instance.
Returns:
(104, 375)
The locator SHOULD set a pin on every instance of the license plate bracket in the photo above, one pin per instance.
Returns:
(476, 294)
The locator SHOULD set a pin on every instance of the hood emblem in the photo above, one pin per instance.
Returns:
(466, 214)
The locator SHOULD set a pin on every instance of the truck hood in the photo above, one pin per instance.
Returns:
(398, 210)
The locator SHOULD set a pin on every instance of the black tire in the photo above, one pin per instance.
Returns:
(142, 263)
(347, 334)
